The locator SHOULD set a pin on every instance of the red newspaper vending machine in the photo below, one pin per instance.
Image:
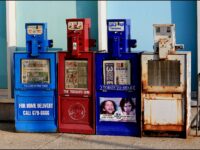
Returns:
(76, 101)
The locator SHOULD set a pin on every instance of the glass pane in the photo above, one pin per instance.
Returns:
(34, 71)
(76, 74)
(117, 72)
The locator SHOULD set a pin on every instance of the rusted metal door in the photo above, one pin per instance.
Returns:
(165, 92)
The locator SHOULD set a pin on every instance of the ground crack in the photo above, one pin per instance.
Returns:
(51, 141)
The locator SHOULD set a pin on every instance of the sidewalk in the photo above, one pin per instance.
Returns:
(12, 140)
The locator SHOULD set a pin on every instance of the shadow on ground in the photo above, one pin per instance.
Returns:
(8, 126)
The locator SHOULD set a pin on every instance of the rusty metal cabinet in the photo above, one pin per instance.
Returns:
(166, 87)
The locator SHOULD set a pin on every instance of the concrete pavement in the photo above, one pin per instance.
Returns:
(9, 139)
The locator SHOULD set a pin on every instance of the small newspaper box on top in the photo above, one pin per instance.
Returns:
(35, 82)
(118, 83)
(76, 100)
(166, 85)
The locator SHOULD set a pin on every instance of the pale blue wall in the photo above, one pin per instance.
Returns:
(3, 54)
(89, 9)
(184, 15)
(52, 12)
(144, 14)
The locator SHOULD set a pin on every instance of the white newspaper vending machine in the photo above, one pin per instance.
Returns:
(166, 85)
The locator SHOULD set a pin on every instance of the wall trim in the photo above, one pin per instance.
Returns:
(102, 27)
(11, 39)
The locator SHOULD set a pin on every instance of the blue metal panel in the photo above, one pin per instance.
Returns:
(118, 128)
(135, 71)
(118, 91)
(35, 111)
(36, 38)
(113, 97)
(51, 56)
(119, 36)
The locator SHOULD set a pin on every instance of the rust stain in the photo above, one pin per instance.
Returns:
(170, 89)
(177, 102)
(144, 81)
(177, 94)
(164, 127)
(153, 96)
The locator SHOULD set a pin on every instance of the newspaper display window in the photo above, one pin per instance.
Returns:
(117, 109)
(34, 71)
(117, 72)
(76, 74)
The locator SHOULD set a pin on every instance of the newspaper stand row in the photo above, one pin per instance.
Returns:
(128, 93)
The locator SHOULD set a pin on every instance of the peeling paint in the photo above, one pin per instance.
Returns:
(166, 108)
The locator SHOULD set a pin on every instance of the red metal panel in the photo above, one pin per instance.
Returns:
(76, 106)
(78, 31)
(76, 99)
(76, 115)
(75, 110)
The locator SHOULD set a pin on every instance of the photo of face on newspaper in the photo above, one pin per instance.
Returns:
(118, 109)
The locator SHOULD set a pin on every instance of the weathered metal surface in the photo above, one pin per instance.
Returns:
(163, 73)
(163, 32)
(163, 111)
(164, 107)
(188, 93)
(162, 88)
(177, 128)
(165, 40)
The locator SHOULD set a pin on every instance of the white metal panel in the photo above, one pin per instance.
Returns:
(188, 92)
(163, 112)
(164, 32)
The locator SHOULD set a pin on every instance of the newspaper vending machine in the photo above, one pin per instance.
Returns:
(35, 82)
(166, 85)
(76, 113)
(118, 83)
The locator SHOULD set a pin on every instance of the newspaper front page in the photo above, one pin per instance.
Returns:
(116, 72)
(35, 71)
(76, 74)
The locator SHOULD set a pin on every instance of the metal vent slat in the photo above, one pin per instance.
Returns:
(163, 73)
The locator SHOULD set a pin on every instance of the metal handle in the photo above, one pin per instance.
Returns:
(34, 48)
(75, 46)
(116, 47)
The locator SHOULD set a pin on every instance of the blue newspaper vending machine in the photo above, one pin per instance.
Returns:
(118, 83)
(35, 83)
